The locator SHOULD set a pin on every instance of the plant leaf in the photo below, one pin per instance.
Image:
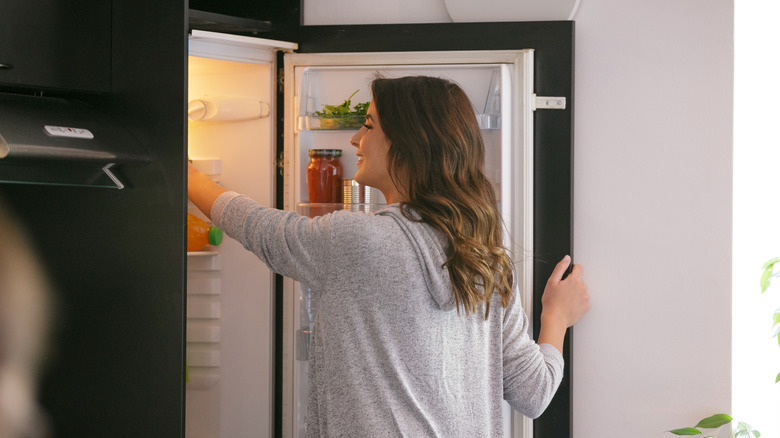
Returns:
(777, 379)
(765, 279)
(769, 263)
(686, 431)
(745, 431)
(714, 421)
(768, 268)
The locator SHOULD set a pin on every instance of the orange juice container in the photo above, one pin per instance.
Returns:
(200, 233)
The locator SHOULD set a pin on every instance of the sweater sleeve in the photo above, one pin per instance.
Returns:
(291, 245)
(532, 372)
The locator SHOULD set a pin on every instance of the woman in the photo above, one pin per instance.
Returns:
(418, 332)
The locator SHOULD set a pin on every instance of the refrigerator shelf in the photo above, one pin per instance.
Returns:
(344, 123)
(310, 122)
(315, 209)
(202, 253)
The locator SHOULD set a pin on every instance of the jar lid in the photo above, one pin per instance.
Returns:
(324, 152)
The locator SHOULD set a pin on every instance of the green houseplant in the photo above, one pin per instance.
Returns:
(715, 422)
(709, 427)
(766, 278)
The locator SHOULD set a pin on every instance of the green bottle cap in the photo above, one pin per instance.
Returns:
(215, 236)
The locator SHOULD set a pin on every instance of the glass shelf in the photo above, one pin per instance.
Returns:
(320, 209)
(310, 122)
(317, 123)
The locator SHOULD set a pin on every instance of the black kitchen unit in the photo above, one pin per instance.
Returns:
(54, 44)
(117, 257)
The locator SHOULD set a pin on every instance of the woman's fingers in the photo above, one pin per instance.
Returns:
(559, 270)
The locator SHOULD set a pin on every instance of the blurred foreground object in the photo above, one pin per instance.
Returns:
(24, 326)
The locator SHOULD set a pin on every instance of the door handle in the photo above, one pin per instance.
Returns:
(5, 66)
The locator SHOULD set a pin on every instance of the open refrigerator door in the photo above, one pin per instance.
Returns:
(230, 293)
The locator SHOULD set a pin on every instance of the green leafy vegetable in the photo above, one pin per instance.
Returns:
(341, 116)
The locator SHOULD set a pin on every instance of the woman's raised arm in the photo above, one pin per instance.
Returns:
(202, 190)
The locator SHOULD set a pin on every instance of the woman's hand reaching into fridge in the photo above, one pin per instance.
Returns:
(564, 302)
(202, 190)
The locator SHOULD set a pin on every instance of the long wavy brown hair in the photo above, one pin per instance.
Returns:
(436, 157)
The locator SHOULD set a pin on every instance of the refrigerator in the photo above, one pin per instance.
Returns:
(253, 106)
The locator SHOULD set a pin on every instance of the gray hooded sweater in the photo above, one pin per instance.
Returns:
(390, 355)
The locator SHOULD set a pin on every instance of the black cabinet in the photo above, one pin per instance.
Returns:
(115, 258)
(56, 44)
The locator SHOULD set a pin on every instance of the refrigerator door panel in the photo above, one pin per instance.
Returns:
(500, 86)
(239, 48)
(230, 325)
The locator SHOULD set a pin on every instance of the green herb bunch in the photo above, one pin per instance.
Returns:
(341, 116)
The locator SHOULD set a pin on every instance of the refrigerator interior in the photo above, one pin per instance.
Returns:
(229, 291)
(489, 87)
(332, 85)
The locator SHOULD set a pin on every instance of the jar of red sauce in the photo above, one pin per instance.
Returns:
(323, 175)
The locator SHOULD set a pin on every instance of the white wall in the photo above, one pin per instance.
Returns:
(652, 214)
(652, 211)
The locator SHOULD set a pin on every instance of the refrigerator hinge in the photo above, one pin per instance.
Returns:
(548, 102)
(281, 163)
(280, 80)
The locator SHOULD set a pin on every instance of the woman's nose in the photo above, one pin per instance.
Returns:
(355, 140)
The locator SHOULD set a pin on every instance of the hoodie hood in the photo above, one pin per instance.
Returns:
(430, 246)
